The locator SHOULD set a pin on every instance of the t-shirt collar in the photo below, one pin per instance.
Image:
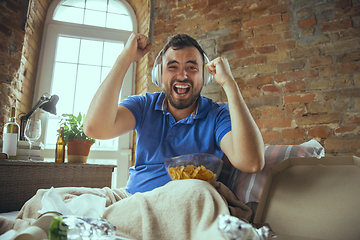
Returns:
(200, 111)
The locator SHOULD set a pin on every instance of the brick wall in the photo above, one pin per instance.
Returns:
(14, 91)
(296, 62)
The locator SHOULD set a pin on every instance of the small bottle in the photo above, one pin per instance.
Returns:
(11, 135)
(60, 147)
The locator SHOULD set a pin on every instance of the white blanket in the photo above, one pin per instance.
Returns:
(184, 209)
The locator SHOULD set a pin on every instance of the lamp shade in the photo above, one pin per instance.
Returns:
(50, 105)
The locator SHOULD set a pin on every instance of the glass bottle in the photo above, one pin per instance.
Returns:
(60, 147)
(11, 135)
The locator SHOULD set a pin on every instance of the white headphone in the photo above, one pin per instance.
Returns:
(156, 71)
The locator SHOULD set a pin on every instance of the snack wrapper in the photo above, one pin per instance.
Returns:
(78, 228)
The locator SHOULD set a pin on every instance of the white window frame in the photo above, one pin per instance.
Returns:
(52, 30)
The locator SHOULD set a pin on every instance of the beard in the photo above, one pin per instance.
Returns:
(179, 103)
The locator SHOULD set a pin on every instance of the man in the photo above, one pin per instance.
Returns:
(178, 120)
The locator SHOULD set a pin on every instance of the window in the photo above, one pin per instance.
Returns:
(81, 42)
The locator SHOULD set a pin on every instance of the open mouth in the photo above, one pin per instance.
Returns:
(182, 89)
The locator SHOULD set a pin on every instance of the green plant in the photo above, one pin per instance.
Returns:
(73, 127)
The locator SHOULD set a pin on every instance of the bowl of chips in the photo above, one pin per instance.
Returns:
(201, 166)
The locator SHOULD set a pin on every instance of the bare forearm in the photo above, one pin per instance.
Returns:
(247, 147)
(105, 119)
(101, 115)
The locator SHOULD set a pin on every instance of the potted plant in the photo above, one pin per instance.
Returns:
(78, 144)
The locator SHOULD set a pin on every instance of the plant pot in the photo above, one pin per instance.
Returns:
(78, 150)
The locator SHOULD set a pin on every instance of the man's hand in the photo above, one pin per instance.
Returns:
(137, 46)
(220, 69)
(244, 132)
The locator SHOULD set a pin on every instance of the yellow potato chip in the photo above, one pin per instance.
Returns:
(191, 171)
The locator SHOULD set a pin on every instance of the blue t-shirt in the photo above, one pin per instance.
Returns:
(159, 136)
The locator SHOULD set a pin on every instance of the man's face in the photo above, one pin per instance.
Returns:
(182, 76)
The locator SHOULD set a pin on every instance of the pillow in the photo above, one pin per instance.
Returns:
(249, 187)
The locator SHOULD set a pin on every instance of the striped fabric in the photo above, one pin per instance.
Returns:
(249, 187)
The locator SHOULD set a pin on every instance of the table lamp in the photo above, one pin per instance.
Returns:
(47, 103)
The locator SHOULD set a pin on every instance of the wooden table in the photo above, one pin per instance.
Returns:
(21, 179)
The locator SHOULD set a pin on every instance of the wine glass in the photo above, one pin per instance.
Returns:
(32, 132)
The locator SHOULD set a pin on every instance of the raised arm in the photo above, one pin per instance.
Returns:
(105, 119)
(243, 145)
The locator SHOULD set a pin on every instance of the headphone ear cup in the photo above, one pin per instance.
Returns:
(207, 76)
(156, 75)
(156, 71)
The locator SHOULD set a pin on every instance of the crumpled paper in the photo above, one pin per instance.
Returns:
(235, 229)
(85, 205)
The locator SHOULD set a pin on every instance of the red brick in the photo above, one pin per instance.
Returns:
(269, 39)
(318, 119)
(294, 65)
(271, 89)
(266, 49)
(344, 129)
(286, 17)
(5, 30)
(354, 11)
(263, 30)
(210, 16)
(299, 98)
(168, 29)
(270, 123)
(209, 26)
(259, 81)
(159, 24)
(231, 46)
(271, 112)
(288, 35)
(319, 132)
(160, 38)
(291, 76)
(199, 5)
(349, 67)
(341, 144)
(318, 61)
(307, 22)
(298, 110)
(312, 73)
(214, 2)
(293, 134)
(305, 12)
(175, 20)
(286, 45)
(356, 21)
(327, 71)
(258, 5)
(270, 136)
(349, 57)
(282, 27)
(246, 34)
(354, 119)
(261, 21)
(336, 26)
(298, 86)
(279, 9)
(249, 92)
(260, 59)
(343, 4)
(242, 53)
